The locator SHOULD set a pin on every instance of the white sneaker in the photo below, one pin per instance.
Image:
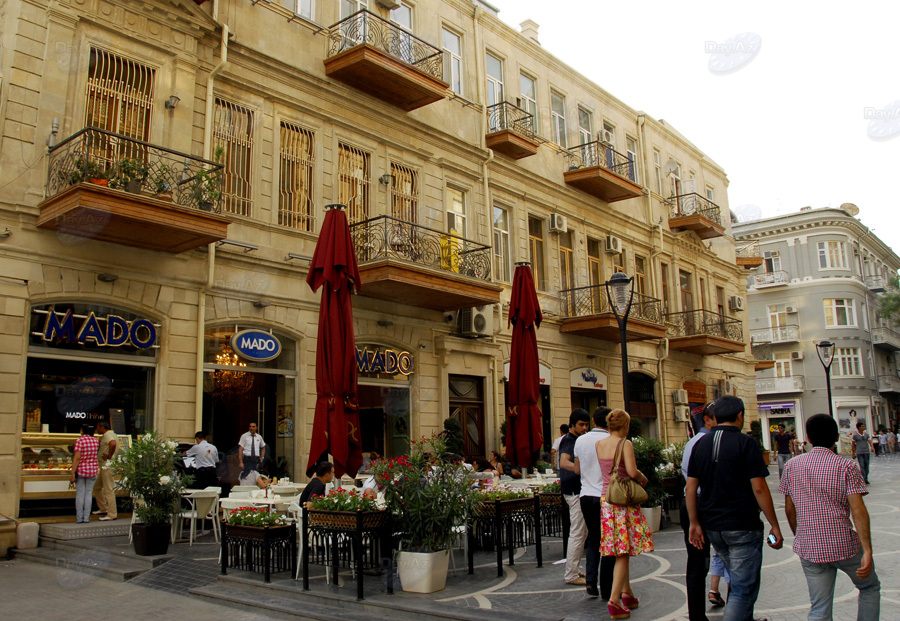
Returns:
(106, 518)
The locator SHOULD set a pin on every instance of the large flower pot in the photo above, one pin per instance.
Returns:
(150, 540)
(423, 572)
(653, 516)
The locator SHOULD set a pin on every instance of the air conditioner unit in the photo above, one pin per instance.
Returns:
(680, 397)
(389, 4)
(613, 244)
(682, 413)
(790, 309)
(606, 137)
(796, 355)
(476, 321)
(558, 223)
(736, 303)
(726, 387)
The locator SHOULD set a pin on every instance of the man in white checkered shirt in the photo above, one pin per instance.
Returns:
(822, 491)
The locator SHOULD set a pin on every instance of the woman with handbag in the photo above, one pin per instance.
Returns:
(625, 530)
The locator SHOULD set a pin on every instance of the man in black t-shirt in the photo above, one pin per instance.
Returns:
(570, 484)
(784, 446)
(728, 468)
(316, 487)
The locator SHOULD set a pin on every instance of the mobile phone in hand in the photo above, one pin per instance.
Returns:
(771, 539)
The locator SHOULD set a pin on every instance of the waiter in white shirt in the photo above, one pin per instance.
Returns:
(251, 455)
(206, 456)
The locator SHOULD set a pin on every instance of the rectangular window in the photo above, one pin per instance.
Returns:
(631, 151)
(595, 271)
(456, 212)
(710, 194)
(702, 293)
(783, 364)
(839, 312)
(494, 67)
(687, 293)
(720, 300)
(778, 316)
(402, 16)
(353, 181)
(233, 135)
(529, 98)
(664, 283)
(536, 250)
(566, 261)
(404, 193)
(119, 95)
(772, 261)
(349, 7)
(640, 275)
(502, 264)
(303, 8)
(452, 60)
(657, 166)
(585, 125)
(832, 255)
(847, 362)
(295, 203)
(618, 262)
(558, 118)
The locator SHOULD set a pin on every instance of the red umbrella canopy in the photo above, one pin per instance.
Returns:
(336, 423)
(524, 432)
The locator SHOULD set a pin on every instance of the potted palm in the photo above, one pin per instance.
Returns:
(430, 497)
(147, 472)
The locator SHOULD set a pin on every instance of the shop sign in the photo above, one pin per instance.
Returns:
(108, 331)
(778, 407)
(386, 362)
(696, 391)
(256, 345)
(543, 370)
(587, 377)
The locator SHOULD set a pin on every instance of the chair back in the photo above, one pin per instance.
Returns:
(243, 488)
(204, 502)
(285, 490)
(213, 488)
(239, 495)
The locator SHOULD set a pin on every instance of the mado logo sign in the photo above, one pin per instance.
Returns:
(256, 345)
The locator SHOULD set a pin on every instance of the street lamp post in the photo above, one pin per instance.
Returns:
(825, 350)
(620, 293)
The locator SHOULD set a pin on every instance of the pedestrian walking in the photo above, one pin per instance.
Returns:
(822, 492)
(728, 469)
(554, 450)
(104, 485)
(84, 472)
(861, 449)
(784, 444)
(570, 484)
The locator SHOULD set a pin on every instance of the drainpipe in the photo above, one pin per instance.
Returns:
(660, 373)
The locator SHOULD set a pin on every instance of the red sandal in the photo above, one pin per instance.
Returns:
(630, 601)
(617, 612)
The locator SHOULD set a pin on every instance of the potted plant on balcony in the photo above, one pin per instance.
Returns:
(131, 174)
(147, 472)
(206, 185)
(88, 170)
(430, 498)
(161, 183)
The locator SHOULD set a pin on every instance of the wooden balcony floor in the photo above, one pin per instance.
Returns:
(404, 282)
(600, 182)
(705, 345)
(511, 144)
(762, 365)
(96, 212)
(701, 225)
(749, 263)
(606, 328)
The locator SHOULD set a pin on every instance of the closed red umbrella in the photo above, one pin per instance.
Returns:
(336, 423)
(524, 432)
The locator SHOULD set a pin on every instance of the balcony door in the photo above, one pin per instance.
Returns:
(783, 364)
(567, 271)
(467, 405)
(595, 269)
(772, 261)
(687, 292)
(494, 68)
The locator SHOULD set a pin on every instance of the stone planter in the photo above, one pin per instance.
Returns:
(653, 516)
(150, 540)
(423, 572)
(260, 549)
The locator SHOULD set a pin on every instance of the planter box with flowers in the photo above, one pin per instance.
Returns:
(343, 530)
(256, 539)
(554, 512)
(505, 519)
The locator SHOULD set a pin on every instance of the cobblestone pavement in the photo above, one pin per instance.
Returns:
(524, 590)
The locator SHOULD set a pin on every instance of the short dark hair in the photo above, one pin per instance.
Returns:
(600, 416)
(323, 468)
(822, 430)
(781, 425)
(87, 429)
(104, 424)
(200, 434)
(564, 428)
(727, 408)
(578, 415)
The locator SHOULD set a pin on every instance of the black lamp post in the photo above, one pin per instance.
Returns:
(620, 293)
(825, 350)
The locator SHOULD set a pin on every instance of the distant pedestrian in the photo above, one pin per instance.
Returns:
(821, 493)
(892, 441)
(104, 485)
(784, 444)
(251, 455)
(84, 472)
(554, 451)
(570, 484)
(728, 469)
(862, 450)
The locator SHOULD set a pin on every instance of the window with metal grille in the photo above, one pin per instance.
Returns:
(404, 193)
(233, 135)
(295, 203)
(353, 181)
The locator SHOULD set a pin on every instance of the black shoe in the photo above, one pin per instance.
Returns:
(592, 591)
(867, 482)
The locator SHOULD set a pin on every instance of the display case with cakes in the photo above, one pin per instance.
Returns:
(47, 464)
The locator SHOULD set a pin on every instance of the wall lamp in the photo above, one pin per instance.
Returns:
(107, 277)
(261, 303)
(386, 179)
(5, 233)
(172, 102)
(383, 323)
(228, 242)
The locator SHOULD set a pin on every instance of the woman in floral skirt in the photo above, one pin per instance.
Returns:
(625, 530)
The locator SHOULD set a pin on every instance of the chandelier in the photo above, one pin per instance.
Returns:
(234, 382)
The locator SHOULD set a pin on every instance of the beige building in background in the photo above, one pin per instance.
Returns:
(459, 147)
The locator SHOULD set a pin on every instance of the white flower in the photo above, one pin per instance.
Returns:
(172, 444)
(164, 480)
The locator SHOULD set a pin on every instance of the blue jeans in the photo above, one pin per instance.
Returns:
(782, 459)
(83, 488)
(741, 551)
(863, 459)
(820, 580)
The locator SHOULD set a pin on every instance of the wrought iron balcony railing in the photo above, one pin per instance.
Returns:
(876, 283)
(771, 385)
(748, 251)
(120, 162)
(599, 154)
(779, 277)
(887, 336)
(762, 352)
(505, 115)
(365, 27)
(592, 300)
(775, 334)
(888, 383)
(704, 322)
(386, 237)
(694, 204)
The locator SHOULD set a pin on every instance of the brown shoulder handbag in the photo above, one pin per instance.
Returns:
(623, 491)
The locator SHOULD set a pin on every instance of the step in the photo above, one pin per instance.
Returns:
(83, 564)
(122, 551)
(91, 530)
(277, 607)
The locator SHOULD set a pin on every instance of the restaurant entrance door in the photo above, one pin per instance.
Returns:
(384, 419)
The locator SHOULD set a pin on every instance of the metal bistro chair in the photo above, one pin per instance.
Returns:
(204, 506)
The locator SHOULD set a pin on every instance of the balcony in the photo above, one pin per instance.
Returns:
(375, 56)
(692, 212)
(886, 338)
(775, 334)
(876, 284)
(510, 131)
(115, 189)
(769, 279)
(888, 383)
(763, 355)
(601, 171)
(749, 256)
(410, 264)
(782, 385)
(705, 333)
(586, 311)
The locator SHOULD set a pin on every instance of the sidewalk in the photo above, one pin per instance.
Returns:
(524, 591)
